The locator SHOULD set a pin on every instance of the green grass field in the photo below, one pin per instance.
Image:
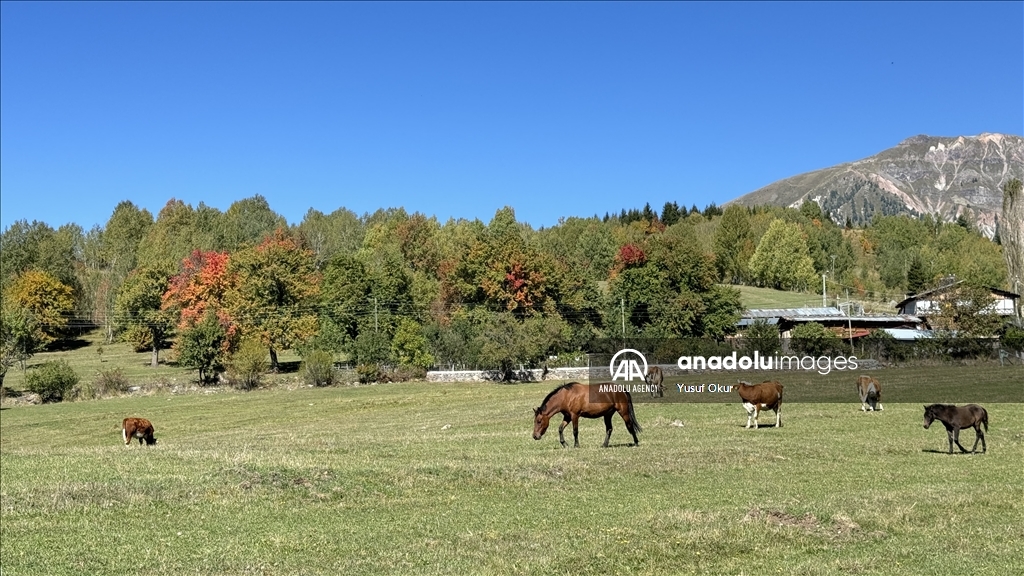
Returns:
(754, 297)
(82, 353)
(371, 480)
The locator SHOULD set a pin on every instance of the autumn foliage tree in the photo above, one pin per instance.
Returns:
(201, 286)
(49, 301)
(273, 293)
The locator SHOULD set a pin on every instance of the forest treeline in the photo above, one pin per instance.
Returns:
(399, 289)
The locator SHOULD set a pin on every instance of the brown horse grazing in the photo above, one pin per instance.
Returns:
(573, 400)
(655, 377)
(956, 418)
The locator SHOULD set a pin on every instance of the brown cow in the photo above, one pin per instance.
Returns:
(654, 378)
(137, 428)
(870, 391)
(764, 395)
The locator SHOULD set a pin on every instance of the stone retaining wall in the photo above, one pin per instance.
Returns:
(538, 374)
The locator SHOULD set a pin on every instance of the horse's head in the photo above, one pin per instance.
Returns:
(929, 416)
(540, 423)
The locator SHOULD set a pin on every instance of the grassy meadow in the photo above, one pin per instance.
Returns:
(755, 297)
(422, 478)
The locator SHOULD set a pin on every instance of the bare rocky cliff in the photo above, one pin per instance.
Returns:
(943, 176)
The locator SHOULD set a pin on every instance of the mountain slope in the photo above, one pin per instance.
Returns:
(935, 175)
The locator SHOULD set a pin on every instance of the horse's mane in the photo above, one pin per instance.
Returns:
(555, 391)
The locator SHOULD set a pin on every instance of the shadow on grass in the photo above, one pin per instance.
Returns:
(288, 367)
(947, 453)
(67, 345)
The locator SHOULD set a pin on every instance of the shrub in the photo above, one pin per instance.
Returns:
(106, 383)
(1014, 339)
(815, 340)
(318, 368)
(203, 347)
(407, 373)
(51, 380)
(248, 364)
(368, 373)
(880, 345)
(762, 337)
(139, 337)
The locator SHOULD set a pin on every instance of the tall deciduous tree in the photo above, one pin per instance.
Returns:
(247, 222)
(50, 301)
(340, 232)
(734, 244)
(274, 293)
(124, 231)
(171, 237)
(1011, 233)
(139, 306)
(202, 285)
(37, 246)
(968, 310)
(781, 260)
(19, 335)
(204, 346)
(668, 290)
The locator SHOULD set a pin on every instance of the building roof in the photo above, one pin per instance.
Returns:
(945, 287)
(791, 312)
(906, 334)
(830, 314)
(882, 319)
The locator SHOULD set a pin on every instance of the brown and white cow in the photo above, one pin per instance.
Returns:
(137, 428)
(870, 391)
(757, 396)
(654, 378)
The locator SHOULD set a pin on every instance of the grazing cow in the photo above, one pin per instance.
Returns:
(956, 418)
(137, 428)
(655, 377)
(870, 391)
(764, 395)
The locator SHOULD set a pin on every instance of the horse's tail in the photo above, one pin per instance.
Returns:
(984, 418)
(632, 416)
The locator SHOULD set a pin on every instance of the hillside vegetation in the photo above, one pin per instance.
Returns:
(396, 294)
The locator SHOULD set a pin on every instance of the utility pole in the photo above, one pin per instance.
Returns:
(622, 313)
(849, 322)
(824, 303)
(375, 315)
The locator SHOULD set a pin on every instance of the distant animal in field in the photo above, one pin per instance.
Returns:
(654, 378)
(574, 400)
(137, 428)
(870, 391)
(956, 418)
(767, 394)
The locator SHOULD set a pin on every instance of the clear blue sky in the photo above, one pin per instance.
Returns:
(458, 109)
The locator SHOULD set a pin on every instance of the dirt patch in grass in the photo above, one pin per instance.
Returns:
(841, 525)
(807, 522)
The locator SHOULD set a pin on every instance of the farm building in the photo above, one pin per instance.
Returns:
(846, 325)
(925, 304)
